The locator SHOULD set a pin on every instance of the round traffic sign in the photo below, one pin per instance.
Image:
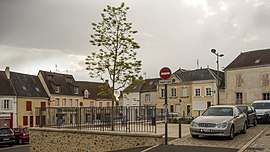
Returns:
(165, 73)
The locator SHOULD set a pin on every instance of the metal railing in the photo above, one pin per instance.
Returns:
(126, 119)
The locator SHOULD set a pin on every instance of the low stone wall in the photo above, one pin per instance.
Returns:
(58, 140)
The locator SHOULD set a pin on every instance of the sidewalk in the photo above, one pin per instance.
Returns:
(259, 144)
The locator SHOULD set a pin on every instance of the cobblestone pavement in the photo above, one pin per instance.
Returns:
(261, 144)
(237, 143)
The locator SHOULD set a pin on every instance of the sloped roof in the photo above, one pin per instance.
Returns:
(27, 85)
(135, 87)
(197, 75)
(66, 82)
(93, 88)
(150, 85)
(5, 87)
(251, 59)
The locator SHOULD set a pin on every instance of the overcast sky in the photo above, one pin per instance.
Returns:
(39, 34)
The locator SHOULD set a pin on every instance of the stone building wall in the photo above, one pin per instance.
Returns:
(58, 140)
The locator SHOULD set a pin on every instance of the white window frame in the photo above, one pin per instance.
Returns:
(64, 102)
(57, 89)
(57, 102)
(76, 102)
(86, 94)
(76, 90)
(185, 91)
(162, 93)
(197, 94)
(147, 98)
(70, 102)
(108, 104)
(100, 104)
(6, 104)
(208, 92)
(91, 103)
(173, 92)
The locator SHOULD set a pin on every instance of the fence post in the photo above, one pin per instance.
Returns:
(180, 127)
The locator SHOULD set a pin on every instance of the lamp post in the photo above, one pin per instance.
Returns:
(218, 78)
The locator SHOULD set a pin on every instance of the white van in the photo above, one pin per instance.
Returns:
(262, 108)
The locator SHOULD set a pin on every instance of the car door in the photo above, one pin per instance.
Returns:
(251, 115)
(239, 119)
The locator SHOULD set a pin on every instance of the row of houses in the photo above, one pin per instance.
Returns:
(21, 93)
(243, 81)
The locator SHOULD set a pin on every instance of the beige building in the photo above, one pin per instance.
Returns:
(191, 91)
(247, 77)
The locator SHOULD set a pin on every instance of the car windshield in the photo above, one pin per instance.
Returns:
(218, 111)
(261, 105)
(5, 131)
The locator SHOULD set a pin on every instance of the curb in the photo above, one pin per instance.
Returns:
(252, 140)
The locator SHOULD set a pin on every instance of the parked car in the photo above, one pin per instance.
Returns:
(262, 108)
(6, 136)
(219, 120)
(21, 135)
(251, 114)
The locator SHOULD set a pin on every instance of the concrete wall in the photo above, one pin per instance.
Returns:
(58, 140)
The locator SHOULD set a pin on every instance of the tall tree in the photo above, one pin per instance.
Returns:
(116, 57)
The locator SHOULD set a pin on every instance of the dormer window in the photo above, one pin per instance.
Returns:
(86, 94)
(68, 79)
(50, 77)
(257, 61)
(76, 90)
(57, 89)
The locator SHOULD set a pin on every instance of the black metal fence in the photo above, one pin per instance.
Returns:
(127, 119)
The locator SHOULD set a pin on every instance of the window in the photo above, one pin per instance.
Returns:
(25, 120)
(70, 102)
(92, 104)
(147, 98)
(6, 104)
(173, 92)
(63, 102)
(197, 92)
(208, 104)
(239, 80)
(56, 102)
(68, 79)
(50, 77)
(108, 104)
(57, 89)
(28, 106)
(208, 91)
(239, 98)
(43, 105)
(171, 108)
(86, 94)
(37, 120)
(100, 104)
(76, 102)
(185, 92)
(266, 96)
(76, 90)
(265, 80)
(162, 93)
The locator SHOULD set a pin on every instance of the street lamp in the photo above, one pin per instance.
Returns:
(218, 78)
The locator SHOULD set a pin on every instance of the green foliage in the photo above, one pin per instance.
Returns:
(116, 54)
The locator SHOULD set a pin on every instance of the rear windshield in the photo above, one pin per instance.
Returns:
(5, 131)
(220, 111)
(261, 105)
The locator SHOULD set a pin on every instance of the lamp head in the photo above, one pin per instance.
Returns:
(221, 55)
(213, 51)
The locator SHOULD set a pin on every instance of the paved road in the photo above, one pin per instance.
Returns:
(15, 148)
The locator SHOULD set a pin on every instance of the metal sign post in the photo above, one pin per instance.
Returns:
(165, 73)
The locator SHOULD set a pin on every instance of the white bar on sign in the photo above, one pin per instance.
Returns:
(165, 73)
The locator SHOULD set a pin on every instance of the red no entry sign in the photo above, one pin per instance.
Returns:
(165, 73)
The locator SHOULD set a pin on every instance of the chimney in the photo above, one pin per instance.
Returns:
(7, 73)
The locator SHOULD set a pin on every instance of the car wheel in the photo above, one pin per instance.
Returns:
(195, 136)
(20, 141)
(255, 122)
(244, 129)
(231, 136)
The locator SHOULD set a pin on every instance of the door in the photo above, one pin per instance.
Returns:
(31, 121)
(178, 108)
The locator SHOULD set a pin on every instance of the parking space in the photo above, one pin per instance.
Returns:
(238, 142)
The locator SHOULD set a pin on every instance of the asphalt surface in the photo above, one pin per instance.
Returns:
(178, 148)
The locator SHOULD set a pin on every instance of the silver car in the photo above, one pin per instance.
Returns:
(219, 121)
